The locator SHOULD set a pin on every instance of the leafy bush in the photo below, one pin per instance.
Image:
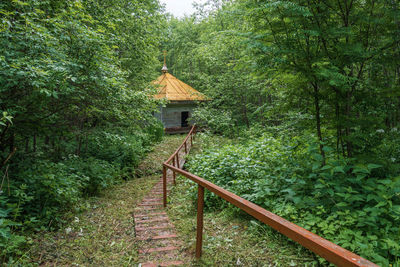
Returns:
(42, 189)
(346, 201)
(216, 120)
(155, 131)
(100, 173)
(123, 150)
(389, 150)
(9, 241)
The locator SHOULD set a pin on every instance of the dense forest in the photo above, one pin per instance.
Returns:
(309, 91)
(76, 116)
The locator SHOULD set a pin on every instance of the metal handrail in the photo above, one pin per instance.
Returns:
(324, 248)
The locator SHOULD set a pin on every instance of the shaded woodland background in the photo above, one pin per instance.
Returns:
(310, 90)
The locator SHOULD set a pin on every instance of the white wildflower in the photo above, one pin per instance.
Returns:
(380, 131)
(68, 230)
(80, 232)
(76, 219)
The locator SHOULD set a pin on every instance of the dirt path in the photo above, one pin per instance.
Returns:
(103, 234)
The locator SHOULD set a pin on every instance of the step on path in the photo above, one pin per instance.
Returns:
(159, 243)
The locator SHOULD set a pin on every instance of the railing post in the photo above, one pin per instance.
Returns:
(191, 140)
(177, 160)
(164, 186)
(200, 207)
(173, 172)
(185, 148)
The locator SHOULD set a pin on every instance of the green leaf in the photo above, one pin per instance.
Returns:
(339, 169)
(373, 166)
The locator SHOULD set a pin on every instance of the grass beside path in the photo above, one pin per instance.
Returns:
(230, 238)
(103, 235)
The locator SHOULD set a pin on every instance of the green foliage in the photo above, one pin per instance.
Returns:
(99, 173)
(75, 114)
(334, 61)
(10, 243)
(122, 150)
(155, 131)
(349, 202)
(216, 120)
(320, 76)
(208, 52)
(44, 189)
(5, 119)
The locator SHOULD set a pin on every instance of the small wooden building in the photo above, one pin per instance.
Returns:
(181, 100)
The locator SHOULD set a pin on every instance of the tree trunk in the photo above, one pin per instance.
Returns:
(79, 145)
(34, 143)
(260, 114)
(339, 141)
(349, 145)
(12, 142)
(27, 145)
(318, 121)
(46, 140)
(245, 118)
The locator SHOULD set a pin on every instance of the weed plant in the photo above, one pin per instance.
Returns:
(351, 202)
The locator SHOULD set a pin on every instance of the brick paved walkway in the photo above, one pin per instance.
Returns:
(160, 245)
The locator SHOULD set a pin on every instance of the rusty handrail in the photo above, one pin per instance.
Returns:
(175, 161)
(190, 134)
(324, 248)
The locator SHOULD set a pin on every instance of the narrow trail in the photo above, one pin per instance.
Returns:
(160, 244)
(107, 232)
(126, 225)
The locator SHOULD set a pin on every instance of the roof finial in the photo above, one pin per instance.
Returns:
(164, 68)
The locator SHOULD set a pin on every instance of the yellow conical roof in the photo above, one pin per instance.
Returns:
(174, 89)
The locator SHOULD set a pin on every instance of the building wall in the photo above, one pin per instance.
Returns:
(170, 115)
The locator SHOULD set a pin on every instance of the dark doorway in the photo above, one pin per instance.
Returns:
(184, 118)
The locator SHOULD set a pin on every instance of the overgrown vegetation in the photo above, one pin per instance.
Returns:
(231, 237)
(76, 117)
(355, 205)
(311, 90)
(99, 231)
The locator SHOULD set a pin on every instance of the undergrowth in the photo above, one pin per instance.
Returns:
(231, 237)
(44, 197)
(352, 203)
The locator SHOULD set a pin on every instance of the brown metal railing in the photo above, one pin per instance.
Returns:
(324, 248)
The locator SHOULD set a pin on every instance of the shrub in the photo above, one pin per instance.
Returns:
(44, 189)
(10, 242)
(155, 131)
(122, 150)
(100, 173)
(349, 202)
(217, 121)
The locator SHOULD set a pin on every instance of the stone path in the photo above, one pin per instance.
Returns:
(160, 244)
